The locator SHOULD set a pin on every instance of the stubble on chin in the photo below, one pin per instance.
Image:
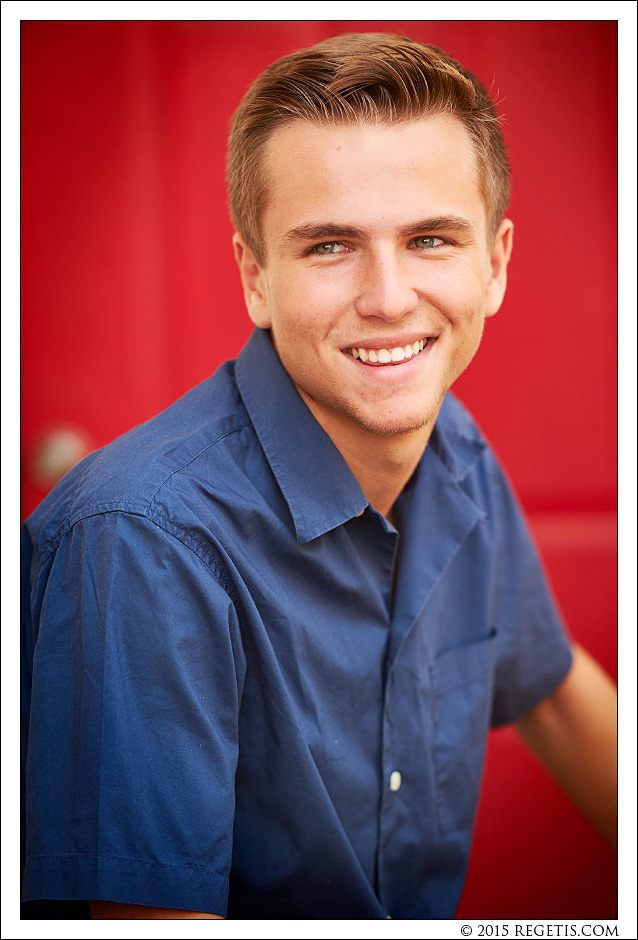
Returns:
(395, 428)
(380, 425)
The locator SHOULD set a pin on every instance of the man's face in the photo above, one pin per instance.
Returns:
(376, 250)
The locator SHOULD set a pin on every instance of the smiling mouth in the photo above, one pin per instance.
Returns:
(392, 355)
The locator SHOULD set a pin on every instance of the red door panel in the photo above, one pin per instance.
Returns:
(129, 297)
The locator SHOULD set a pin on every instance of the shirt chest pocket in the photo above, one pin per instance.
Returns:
(461, 710)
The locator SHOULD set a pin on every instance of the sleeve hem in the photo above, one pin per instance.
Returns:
(511, 709)
(125, 880)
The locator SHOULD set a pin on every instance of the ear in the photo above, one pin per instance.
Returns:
(252, 279)
(497, 272)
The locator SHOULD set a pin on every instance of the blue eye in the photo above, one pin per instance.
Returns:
(427, 241)
(326, 248)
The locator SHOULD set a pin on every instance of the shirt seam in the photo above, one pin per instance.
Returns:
(183, 466)
(136, 507)
(51, 544)
(206, 556)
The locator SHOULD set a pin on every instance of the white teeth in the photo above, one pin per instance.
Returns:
(396, 354)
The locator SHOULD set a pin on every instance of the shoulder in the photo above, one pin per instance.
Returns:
(532, 652)
(457, 437)
(474, 466)
(138, 472)
(455, 416)
(460, 443)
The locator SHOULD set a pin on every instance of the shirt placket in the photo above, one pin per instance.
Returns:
(445, 517)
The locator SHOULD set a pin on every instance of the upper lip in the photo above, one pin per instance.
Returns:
(389, 342)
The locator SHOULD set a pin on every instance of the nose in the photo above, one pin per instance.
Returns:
(385, 290)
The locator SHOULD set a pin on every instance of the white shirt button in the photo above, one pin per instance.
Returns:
(395, 781)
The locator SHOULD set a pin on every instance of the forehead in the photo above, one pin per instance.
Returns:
(370, 174)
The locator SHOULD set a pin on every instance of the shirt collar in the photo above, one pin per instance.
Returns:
(316, 482)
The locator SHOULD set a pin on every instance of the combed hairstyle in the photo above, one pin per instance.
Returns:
(375, 78)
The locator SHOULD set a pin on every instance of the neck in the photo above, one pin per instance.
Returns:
(382, 471)
(381, 463)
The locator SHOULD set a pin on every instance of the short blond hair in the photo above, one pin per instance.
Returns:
(360, 77)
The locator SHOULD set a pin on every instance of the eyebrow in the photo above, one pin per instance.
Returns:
(450, 223)
(316, 231)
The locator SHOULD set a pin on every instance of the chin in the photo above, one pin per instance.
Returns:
(396, 425)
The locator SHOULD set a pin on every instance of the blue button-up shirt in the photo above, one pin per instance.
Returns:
(246, 691)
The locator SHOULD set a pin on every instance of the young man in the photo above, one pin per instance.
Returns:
(267, 632)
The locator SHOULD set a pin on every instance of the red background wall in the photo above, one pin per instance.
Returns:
(129, 297)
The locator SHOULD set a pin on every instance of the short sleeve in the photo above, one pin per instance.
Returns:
(135, 664)
(533, 652)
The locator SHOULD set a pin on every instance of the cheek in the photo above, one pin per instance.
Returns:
(311, 305)
(459, 295)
